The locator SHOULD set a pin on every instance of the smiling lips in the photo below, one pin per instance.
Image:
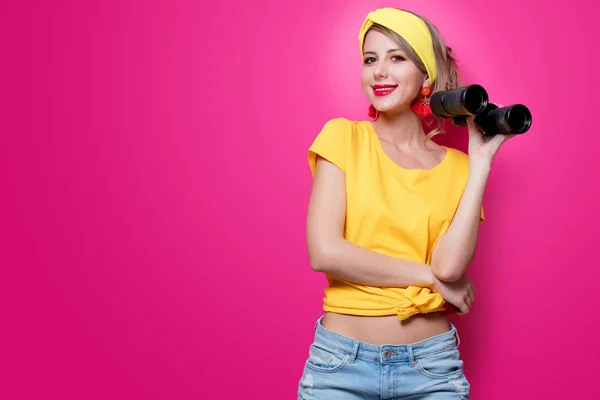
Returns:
(383, 90)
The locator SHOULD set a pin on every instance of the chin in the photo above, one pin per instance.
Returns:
(384, 104)
(385, 108)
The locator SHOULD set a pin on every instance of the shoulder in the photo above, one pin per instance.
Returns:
(459, 157)
(332, 143)
(339, 125)
(342, 131)
(339, 122)
(457, 163)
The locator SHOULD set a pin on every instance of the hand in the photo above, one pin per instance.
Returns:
(460, 294)
(481, 148)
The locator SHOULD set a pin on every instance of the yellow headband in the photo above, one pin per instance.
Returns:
(410, 27)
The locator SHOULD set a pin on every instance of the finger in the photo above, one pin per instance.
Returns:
(473, 129)
(464, 308)
(496, 141)
(509, 136)
(472, 290)
(471, 298)
(468, 300)
(455, 309)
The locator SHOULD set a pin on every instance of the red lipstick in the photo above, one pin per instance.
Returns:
(383, 90)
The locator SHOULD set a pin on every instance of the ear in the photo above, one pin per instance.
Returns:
(427, 82)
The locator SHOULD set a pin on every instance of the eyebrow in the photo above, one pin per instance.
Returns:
(389, 51)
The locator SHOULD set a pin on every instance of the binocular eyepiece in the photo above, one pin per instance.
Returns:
(470, 100)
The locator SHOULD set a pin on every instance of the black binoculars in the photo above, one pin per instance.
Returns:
(470, 100)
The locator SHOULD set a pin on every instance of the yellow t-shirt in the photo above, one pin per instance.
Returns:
(391, 210)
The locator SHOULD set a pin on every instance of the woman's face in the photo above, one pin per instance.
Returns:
(390, 80)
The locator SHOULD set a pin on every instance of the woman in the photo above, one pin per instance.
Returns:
(393, 221)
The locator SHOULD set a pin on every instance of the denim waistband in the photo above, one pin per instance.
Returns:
(386, 353)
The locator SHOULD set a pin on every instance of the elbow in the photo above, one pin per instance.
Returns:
(321, 256)
(447, 273)
(317, 265)
(318, 260)
(451, 269)
(448, 276)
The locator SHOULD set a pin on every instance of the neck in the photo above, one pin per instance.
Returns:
(404, 129)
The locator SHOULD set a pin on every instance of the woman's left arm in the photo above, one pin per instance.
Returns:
(455, 249)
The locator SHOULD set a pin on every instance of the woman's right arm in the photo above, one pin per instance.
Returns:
(328, 250)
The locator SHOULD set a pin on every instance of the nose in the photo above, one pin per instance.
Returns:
(380, 71)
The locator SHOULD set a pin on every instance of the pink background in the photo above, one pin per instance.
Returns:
(155, 184)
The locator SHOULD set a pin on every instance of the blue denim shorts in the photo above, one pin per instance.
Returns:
(339, 367)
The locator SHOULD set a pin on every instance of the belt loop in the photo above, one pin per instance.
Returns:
(354, 351)
(317, 323)
(411, 355)
(457, 337)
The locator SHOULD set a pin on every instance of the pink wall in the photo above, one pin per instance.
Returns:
(155, 186)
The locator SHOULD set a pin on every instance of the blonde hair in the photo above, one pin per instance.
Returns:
(447, 70)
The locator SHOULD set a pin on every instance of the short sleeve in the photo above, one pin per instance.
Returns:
(332, 143)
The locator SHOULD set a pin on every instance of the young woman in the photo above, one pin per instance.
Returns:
(393, 221)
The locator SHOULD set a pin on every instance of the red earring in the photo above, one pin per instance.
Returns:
(421, 107)
(373, 113)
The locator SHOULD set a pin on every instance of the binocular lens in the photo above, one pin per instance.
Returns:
(505, 120)
(518, 118)
(475, 99)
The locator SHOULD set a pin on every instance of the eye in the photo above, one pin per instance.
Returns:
(398, 58)
(369, 60)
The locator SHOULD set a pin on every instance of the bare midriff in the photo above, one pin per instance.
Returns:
(387, 329)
